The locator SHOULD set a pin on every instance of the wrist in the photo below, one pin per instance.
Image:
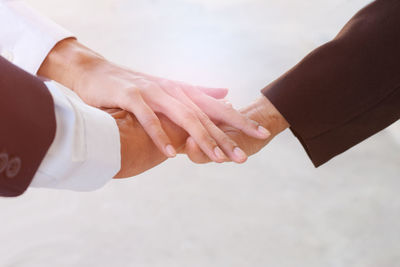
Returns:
(265, 113)
(120, 116)
(68, 62)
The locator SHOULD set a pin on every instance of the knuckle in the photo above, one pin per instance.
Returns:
(143, 86)
(189, 116)
(131, 96)
(132, 92)
(206, 138)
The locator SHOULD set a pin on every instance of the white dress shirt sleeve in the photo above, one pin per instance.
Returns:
(26, 37)
(85, 153)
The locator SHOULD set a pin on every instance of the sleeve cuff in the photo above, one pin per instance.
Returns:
(346, 90)
(86, 153)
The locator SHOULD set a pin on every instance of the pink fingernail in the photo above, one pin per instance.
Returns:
(264, 133)
(170, 151)
(240, 154)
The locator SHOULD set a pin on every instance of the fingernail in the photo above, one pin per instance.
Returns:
(218, 152)
(170, 151)
(264, 133)
(240, 154)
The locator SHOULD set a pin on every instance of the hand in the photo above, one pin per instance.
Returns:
(263, 111)
(101, 83)
(138, 151)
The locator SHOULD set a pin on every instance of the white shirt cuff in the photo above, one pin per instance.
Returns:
(85, 153)
(26, 37)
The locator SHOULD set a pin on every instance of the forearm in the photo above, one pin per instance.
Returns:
(28, 127)
(348, 89)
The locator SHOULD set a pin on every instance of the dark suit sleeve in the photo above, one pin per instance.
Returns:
(348, 89)
(27, 127)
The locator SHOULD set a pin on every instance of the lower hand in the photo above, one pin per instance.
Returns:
(138, 151)
(263, 111)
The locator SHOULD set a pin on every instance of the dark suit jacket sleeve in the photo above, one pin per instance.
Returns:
(348, 89)
(27, 127)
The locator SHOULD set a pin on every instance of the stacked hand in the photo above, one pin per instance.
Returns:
(140, 154)
(195, 109)
(153, 112)
(260, 110)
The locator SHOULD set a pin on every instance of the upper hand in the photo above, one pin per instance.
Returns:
(101, 83)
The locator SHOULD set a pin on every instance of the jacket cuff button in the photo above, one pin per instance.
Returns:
(3, 161)
(13, 167)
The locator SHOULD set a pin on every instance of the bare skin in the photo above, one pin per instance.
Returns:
(195, 109)
(261, 110)
(139, 153)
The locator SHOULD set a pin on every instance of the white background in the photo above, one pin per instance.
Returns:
(276, 210)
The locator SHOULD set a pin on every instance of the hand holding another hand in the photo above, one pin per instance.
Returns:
(260, 110)
(139, 153)
(195, 109)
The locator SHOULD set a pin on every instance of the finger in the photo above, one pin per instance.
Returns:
(224, 112)
(229, 147)
(195, 153)
(226, 102)
(217, 93)
(151, 124)
(187, 119)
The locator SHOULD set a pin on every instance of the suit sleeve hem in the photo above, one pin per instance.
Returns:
(323, 147)
(86, 153)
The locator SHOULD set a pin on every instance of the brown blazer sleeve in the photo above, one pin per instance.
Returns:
(27, 127)
(348, 89)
